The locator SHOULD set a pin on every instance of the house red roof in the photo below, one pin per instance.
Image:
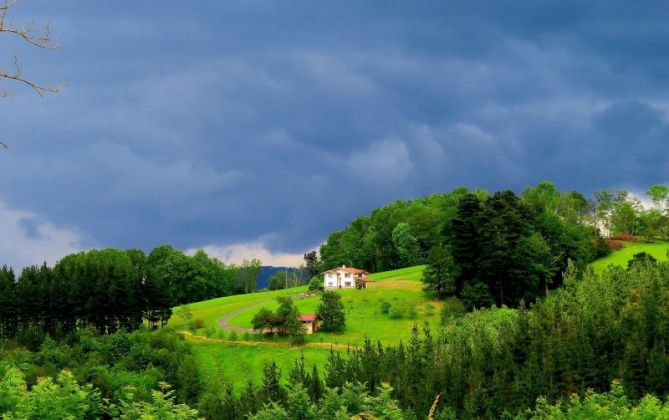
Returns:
(308, 317)
(347, 270)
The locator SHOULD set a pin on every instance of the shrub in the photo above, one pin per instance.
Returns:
(396, 313)
(411, 312)
(197, 324)
(385, 307)
(232, 336)
(315, 284)
(614, 244)
(246, 336)
(429, 309)
(452, 308)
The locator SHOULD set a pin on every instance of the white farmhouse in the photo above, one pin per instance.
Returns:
(345, 278)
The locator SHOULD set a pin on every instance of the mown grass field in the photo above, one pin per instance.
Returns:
(401, 289)
(622, 256)
(210, 311)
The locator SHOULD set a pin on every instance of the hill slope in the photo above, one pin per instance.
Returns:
(622, 256)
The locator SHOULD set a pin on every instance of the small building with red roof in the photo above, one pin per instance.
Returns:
(311, 321)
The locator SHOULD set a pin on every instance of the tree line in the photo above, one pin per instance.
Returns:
(404, 233)
(114, 290)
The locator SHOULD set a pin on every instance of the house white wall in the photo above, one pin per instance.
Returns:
(339, 279)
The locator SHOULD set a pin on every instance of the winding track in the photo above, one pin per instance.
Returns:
(223, 322)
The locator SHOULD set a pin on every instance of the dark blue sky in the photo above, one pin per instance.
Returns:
(259, 127)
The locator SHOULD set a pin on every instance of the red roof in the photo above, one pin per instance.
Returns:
(347, 270)
(308, 317)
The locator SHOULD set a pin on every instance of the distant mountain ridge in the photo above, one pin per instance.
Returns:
(267, 272)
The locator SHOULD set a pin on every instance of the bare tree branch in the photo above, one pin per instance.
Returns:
(37, 37)
(17, 75)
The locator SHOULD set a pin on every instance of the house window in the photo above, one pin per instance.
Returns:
(347, 284)
(347, 275)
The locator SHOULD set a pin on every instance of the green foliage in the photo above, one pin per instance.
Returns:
(48, 399)
(406, 245)
(109, 289)
(277, 281)
(331, 312)
(161, 406)
(311, 263)
(511, 249)
(385, 307)
(442, 273)
(609, 405)
(315, 284)
(640, 259)
(368, 242)
(452, 308)
(284, 321)
(396, 312)
(246, 276)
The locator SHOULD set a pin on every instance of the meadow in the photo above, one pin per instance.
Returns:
(622, 256)
(236, 363)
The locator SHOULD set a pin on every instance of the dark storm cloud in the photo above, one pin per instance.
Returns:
(245, 121)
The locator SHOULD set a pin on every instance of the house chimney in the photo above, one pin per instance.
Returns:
(343, 266)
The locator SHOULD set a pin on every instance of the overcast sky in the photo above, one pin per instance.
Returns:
(256, 128)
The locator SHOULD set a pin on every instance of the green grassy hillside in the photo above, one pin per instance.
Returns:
(622, 256)
(237, 362)
(210, 311)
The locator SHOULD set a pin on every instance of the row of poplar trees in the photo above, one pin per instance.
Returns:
(111, 290)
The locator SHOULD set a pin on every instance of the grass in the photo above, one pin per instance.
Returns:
(622, 256)
(363, 315)
(210, 311)
(237, 364)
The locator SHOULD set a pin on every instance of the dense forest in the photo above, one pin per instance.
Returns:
(497, 248)
(404, 233)
(114, 290)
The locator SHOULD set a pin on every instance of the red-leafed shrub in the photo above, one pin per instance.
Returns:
(627, 238)
(614, 244)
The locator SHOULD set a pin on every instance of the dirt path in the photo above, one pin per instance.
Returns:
(202, 339)
(223, 322)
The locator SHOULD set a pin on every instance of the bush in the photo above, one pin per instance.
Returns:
(395, 313)
(429, 309)
(614, 244)
(315, 284)
(411, 312)
(385, 307)
(246, 336)
(232, 336)
(197, 324)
